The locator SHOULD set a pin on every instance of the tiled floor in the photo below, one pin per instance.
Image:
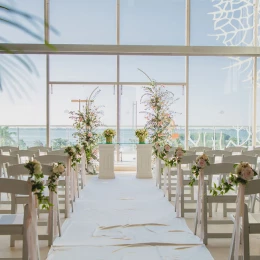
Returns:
(219, 248)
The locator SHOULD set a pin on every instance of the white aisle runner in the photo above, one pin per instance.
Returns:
(125, 218)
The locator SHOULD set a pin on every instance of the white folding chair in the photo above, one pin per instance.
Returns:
(15, 171)
(236, 150)
(24, 155)
(252, 160)
(5, 150)
(200, 149)
(186, 181)
(16, 224)
(57, 152)
(3, 160)
(67, 183)
(252, 188)
(42, 149)
(214, 169)
(219, 154)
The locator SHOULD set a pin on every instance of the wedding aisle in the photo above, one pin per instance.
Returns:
(125, 218)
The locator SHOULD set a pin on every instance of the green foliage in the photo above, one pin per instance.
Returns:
(6, 137)
(14, 69)
(22, 145)
(75, 154)
(38, 143)
(59, 143)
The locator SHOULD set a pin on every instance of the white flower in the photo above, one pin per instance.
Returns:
(61, 168)
(37, 168)
(247, 173)
(55, 169)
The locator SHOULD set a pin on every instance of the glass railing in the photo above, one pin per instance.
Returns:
(217, 137)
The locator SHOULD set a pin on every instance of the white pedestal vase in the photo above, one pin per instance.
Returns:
(144, 161)
(106, 161)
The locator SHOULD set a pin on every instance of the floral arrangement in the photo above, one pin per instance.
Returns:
(163, 154)
(141, 133)
(243, 173)
(109, 133)
(57, 170)
(174, 160)
(160, 125)
(179, 152)
(86, 124)
(36, 179)
(75, 154)
(201, 162)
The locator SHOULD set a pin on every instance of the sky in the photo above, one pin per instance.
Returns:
(219, 94)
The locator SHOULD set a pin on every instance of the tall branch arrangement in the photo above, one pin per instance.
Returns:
(157, 101)
(86, 124)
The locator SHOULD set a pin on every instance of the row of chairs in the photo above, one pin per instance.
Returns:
(221, 168)
(11, 163)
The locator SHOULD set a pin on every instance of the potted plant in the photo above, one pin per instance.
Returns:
(141, 134)
(109, 134)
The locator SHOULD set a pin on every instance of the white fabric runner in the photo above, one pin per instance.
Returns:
(126, 218)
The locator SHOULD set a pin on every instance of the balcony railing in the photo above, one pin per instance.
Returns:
(217, 137)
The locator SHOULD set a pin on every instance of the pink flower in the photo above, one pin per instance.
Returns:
(247, 173)
(201, 163)
(160, 123)
(179, 153)
(90, 134)
(167, 148)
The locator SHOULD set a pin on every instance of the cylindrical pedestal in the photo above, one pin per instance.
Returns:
(106, 161)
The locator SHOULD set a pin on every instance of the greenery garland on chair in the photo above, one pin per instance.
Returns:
(75, 154)
(36, 179)
(201, 162)
(243, 173)
(176, 158)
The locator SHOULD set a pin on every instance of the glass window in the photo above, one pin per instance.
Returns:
(224, 23)
(220, 112)
(83, 68)
(152, 22)
(64, 98)
(23, 101)
(11, 34)
(132, 117)
(83, 22)
(159, 68)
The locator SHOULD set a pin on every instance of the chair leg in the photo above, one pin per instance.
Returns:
(169, 184)
(252, 203)
(25, 246)
(182, 201)
(205, 219)
(224, 209)
(246, 246)
(196, 223)
(232, 246)
(210, 210)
